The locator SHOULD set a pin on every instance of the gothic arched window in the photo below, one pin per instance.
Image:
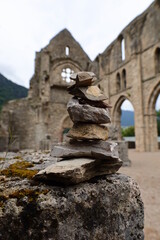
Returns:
(66, 73)
(124, 78)
(67, 51)
(157, 60)
(118, 82)
(123, 49)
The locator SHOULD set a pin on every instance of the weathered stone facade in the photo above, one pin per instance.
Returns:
(128, 69)
(137, 77)
(42, 117)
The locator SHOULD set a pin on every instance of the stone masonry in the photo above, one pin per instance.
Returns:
(129, 68)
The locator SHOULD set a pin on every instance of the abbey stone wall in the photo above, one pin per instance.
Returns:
(128, 69)
(41, 118)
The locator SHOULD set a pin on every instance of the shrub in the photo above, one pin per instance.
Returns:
(128, 132)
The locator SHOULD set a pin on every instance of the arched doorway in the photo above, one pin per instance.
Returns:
(157, 107)
(153, 107)
(66, 125)
(122, 109)
(127, 123)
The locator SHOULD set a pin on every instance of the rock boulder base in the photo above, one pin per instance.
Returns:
(105, 208)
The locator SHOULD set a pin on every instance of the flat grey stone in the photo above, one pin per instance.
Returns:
(86, 113)
(83, 78)
(91, 149)
(99, 104)
(88, 131)
(92, 93)
(77, 170)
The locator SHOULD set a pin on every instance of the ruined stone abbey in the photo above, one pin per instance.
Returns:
(129, 68)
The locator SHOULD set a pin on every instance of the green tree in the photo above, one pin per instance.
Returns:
(128, 132)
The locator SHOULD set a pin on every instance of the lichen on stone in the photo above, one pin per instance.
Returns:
(32, 195)
(18, 157)
(19, 169)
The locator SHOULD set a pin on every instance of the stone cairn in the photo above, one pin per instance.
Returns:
(87, 154)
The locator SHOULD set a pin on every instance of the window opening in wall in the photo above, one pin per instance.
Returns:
(99, 86)
(66, 73)
(127, 123)
(123, 49)
(37, 115)
(157, 56)
(67, 51)
(124, 78)
(118, 82)
(157, 107)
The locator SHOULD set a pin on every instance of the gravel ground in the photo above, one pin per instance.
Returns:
(145, 170)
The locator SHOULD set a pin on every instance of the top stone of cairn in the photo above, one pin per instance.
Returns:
(87, 153)
(84, 87)
(84, 79)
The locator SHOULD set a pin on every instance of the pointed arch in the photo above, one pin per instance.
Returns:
(152, 134)
(67, 50)
(66, 124)
(122, 47)
(118, 82)
(119, 102)
(116, 113)
(157, 60)
(124, 80)
(153, 98)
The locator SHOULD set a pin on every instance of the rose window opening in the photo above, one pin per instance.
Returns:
(66, 73)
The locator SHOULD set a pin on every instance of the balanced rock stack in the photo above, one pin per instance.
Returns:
(87, 154)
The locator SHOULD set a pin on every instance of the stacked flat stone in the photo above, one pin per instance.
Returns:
(87, 108)
(87, 154)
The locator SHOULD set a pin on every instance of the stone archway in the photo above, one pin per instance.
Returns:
(116, 113)
(65, 126)
(151, 140)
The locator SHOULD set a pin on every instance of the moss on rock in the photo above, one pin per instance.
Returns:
(18, 157)
(19, 169)
(32, 195)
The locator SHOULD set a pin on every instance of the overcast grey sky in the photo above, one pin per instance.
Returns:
(26, 26)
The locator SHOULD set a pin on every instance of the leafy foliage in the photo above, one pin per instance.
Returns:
(128, 132)
(10, 91)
